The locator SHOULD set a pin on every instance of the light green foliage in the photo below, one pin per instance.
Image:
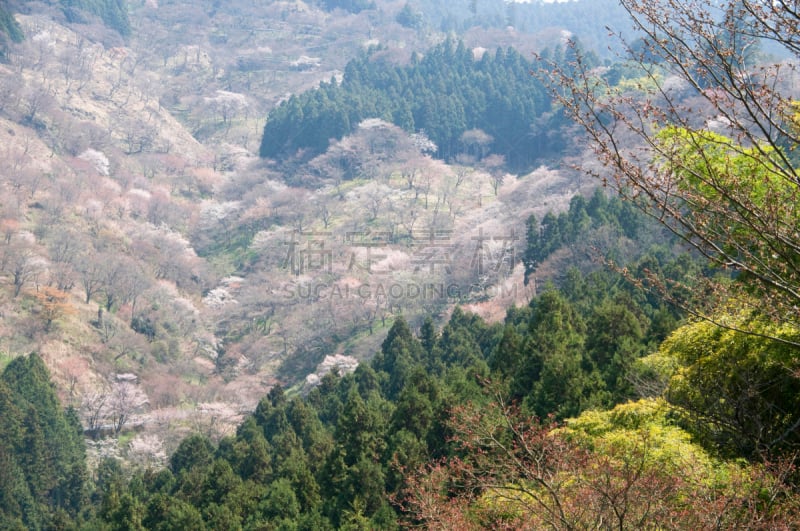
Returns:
(716, 168)
(645, 83)
(738, 392)
(644, 427)
(738, 205)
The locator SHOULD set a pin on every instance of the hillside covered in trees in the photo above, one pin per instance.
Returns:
(142, 236)
(113, 13)
(217, 219)
(441, 428)
(466, 105)
(586, 20)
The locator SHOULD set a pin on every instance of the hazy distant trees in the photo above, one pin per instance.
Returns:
(353, 6)
(126, 399)
(77, 65)
(138, 135)
(495, 164)
(113, 12)
(22, 261)
(63, 248)
(410, 17)
(227, 106)
(9, 27)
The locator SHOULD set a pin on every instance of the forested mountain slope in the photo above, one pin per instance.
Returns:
(321, 265)
(410, 437)
(145, 242)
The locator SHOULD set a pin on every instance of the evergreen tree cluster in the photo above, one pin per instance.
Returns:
(445, 93)
(42, 451)
(114, 13)
(566, 228)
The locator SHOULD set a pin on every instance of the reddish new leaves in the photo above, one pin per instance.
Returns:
(509, 471)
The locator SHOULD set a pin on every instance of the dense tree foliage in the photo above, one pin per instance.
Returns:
(446, 93)
(737, 392)
(442, 414)
(450, 415)
(702, 139)
(442, 428)
(42, 453)
(628, 468)
(555, 231)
